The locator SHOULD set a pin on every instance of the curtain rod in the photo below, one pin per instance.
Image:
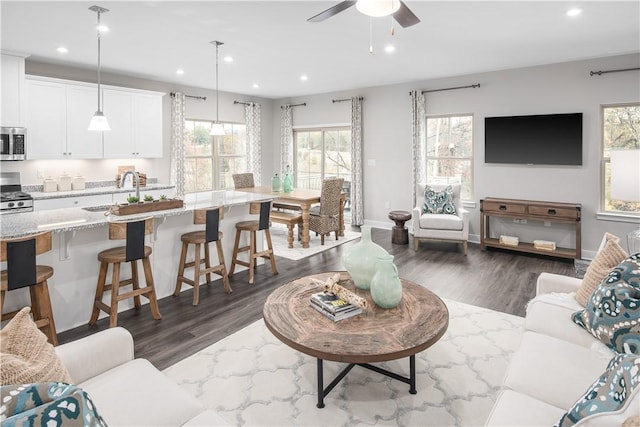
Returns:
(599, 73)
(304, 104)
(346, 99)
(244, 103)
(451, 88)
(204, 98)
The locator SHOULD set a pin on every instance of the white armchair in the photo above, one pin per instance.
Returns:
(445, 227)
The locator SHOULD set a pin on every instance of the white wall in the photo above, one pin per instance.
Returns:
(558, 88)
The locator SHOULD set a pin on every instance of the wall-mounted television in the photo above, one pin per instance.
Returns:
(549, 139)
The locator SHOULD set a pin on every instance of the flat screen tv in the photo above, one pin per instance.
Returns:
(550, 139)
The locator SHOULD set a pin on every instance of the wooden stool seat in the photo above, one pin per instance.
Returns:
(199, 238)
(253, 226)
(134, 250)
(38, 289)
(290, 220)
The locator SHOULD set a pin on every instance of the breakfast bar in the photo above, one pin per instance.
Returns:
(80, 234)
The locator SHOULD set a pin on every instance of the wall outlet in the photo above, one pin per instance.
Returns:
(371, 162)
(547, 223)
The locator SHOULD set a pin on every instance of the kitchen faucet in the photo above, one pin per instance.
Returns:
(136, 177)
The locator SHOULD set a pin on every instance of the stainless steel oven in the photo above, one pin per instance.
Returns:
(12, 198)
(14, 143)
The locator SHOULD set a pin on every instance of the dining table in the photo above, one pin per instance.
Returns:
(303, 198)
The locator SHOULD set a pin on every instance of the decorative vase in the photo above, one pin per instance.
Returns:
(360, 259)
(275, 183)
(386, 287)
(287, 182)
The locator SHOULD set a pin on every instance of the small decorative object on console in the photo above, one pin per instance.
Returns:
(509, 240)
(544, 245)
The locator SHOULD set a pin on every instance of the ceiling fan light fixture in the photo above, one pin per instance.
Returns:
(378, 8)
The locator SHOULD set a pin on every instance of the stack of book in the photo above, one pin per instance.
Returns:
(333, 307)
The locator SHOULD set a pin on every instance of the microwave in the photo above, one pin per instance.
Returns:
(14, 143)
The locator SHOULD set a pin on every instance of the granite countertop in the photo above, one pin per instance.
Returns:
(70, 219)
(39, 195)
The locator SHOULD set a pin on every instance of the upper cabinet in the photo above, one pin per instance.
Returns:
(135, 118)
(13, 88)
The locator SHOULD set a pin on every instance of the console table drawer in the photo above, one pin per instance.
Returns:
(554, 212)
(496, 207)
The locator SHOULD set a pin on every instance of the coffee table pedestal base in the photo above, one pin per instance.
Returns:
(323, 392)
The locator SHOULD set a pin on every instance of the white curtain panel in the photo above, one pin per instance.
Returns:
(177, 142)
(418, 138)
(286, 139)
(254, 140)
(357, 210)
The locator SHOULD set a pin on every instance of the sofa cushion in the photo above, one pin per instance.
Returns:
(612, 398)
(550, 314)
(439, 202)
(552, 370)
(48, 404)
(441, 222)
(612, 314)
(610, 255)
(137, 394)
(517, 409)
(25, 354)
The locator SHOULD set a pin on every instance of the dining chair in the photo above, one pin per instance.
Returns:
(325, 218)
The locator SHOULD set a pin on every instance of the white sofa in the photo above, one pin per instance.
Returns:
(555, 364)
(128, 391)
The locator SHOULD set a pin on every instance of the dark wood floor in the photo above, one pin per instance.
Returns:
(497, 280)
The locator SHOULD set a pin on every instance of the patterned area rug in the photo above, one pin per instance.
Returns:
(279, 240)
(251, 378)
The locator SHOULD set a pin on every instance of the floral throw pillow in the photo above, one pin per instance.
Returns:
(612, 314)
(609, 395)
(438, 202)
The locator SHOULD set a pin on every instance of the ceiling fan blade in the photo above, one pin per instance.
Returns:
(334, 10)
(405, 17)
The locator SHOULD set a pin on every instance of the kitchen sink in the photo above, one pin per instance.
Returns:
(101, 208)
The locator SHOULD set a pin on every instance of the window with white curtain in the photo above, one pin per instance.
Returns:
(210, 161)
(449, 155)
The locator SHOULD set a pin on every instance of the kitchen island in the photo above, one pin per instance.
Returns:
(80, 234)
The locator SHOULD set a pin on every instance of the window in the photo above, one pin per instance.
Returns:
(620, 131)
(322, 153)
(450, 151)
(210, 161)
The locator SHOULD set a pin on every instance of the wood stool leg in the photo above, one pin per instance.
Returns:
(223, 272)
(153, 302)
(252, 253)
(207, 261)
(115, 290)
(35, 308)
(290, 235)
(102, 278)
(43, 302)
(272, 256)
(236, 245)
(196, 275)
(183, 260)
(135, 282)
(2, 292)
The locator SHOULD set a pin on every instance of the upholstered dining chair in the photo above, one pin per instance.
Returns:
(448, 221)
(325, 218)
(243, 180)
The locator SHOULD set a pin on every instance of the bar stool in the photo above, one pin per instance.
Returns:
(20, 255)
(211, 218)
(253, 226)
(133, 232)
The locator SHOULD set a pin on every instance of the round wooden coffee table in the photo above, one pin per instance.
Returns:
(376, 335)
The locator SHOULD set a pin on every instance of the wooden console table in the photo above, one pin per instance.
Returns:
(568, 213)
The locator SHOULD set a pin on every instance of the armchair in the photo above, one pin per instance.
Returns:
(447, 227)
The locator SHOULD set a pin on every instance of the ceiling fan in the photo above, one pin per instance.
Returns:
(401, 13)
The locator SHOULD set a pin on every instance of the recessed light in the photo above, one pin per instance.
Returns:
(102, 28)
(256, 86)
(62, 49)
(389, 48)
(180, 71)
(304, 77)
(228, 59)
(574, 12)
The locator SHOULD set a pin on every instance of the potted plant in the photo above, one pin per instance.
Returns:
(163, 197)
(132, 199)
(148, 198)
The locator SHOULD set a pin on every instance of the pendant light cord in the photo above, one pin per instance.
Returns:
(99, 35)
(217, 97)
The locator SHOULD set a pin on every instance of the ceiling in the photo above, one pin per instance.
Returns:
(272, 44)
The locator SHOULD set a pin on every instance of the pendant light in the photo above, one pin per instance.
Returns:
(217, 128)
(99, 121)
(378, 8)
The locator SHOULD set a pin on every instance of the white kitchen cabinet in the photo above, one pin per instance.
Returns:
(82, 103)
(136, 124)
(46, 120)
(72, 202)
(13, 91)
